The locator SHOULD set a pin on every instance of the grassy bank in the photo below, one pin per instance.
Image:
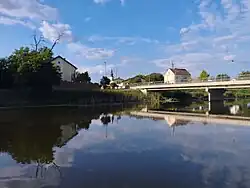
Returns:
(10, 98)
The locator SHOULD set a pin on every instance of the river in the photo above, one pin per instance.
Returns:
(126, 147)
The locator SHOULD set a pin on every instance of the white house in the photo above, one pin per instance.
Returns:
(173, 76)
(67, 69)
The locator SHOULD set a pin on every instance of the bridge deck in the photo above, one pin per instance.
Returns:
(232, 84)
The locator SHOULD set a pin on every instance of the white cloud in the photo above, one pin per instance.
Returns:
(101, 1)
(122, 2)
(28, 13)
(123, 40)
(224, 38)
(126, 59)
(184, 30)
(31, 9)
(53, 31)
(106, 1)
(188, 60)
(97, 69)
(14, 21)
(221, 35)
(229, 57)
(89, 52)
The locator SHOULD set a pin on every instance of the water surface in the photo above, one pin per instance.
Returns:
(110, 147)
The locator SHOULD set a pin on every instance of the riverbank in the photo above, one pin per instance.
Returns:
(58, 98)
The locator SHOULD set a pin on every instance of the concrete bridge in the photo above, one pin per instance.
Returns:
(214, 88)
(182, 118)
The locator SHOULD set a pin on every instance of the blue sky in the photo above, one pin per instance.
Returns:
(134, 36)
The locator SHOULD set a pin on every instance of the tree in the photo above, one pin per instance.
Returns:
(222, 77)
(104, 81)
(244, 75)
(113, 85)
(6, 78)
(204, 75)
(82, 77)
(136, 79)
(154, 77)
(38, 40)
(34, 68)
(105, 119)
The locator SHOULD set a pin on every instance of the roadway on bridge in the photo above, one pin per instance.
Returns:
(232, 84)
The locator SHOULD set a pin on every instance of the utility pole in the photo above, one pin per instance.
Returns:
(116, 72)
(105, 68)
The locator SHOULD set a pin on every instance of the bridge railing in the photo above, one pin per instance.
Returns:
(194, 80)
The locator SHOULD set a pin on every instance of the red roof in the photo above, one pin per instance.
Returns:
(180, 71)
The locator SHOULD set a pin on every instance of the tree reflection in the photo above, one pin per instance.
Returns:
(105, 119)
(30, 135)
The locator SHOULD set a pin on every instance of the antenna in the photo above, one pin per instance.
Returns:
(172, 63)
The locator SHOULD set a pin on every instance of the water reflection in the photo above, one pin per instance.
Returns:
(34, 140)
(241, 108)
(115, 148)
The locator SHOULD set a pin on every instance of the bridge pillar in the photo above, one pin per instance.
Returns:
(215, 94)
(216, 101)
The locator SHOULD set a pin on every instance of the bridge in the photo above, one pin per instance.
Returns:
(183, 118)
(215, 88)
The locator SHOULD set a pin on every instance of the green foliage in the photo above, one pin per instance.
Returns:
(6, 79)
(30, 68)
(204, 75)
(105, 119)
(244, 75)
(136, 79)
(118, 80)
(105, 81)
(82, 77)
(223, 77)
(154, 77)
(113, 85)
(239, 93)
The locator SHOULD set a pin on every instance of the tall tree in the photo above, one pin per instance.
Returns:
(82, 77)
(222, 77)
(34, 68)
(204, 75)
(136, 79)
(154, 77)
(6, 78)
(244, 75)
(105, 81)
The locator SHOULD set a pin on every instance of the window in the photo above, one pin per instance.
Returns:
(59, 62)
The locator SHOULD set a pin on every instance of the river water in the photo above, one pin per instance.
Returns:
(123, 147)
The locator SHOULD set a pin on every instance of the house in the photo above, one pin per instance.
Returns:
(67, 133)
(175, 75)
(172, 121)
(67, 69)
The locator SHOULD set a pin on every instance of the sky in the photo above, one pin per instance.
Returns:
(134, 36)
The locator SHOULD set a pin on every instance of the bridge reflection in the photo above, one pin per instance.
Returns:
(184, 118)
